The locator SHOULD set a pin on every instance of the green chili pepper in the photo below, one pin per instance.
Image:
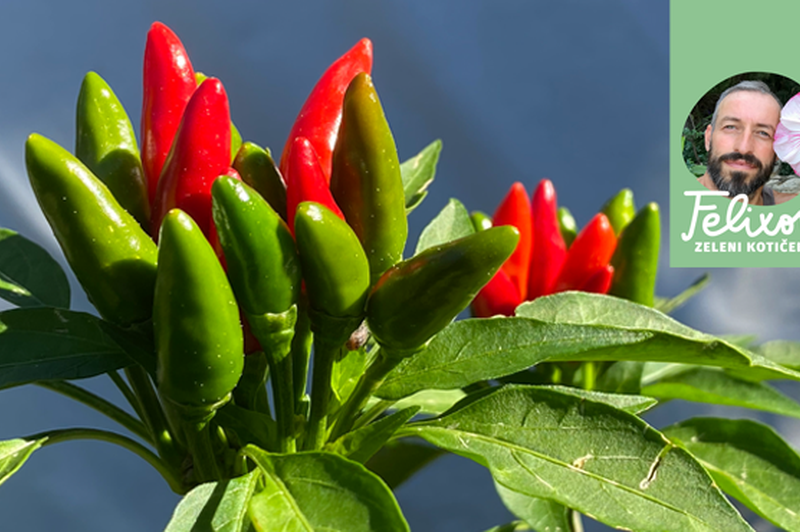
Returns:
(236, 137)
(196, 320)
(620, 210)
(335, 270)
(264, 270)
(635, 260)
(418, 297)
(567, 225)
(258, 170)
(481, 221)
(365, 178)
(106, 144)
(111, 255)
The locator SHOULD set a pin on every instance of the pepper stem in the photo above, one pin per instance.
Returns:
(368, 384)
(324, 356)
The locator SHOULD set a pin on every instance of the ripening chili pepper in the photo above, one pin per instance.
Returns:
(106, 144)
(549, 250)
(366, 181)
(600, 281)
(111, 255)
(196, 320)
(319, 118)
(499, 296)
(169, 83)
(567, 225)
(258, 170)
(620, 210)
(480, 221)
(417, 298)
(591, 250)
(335, 267)
(236, 137)
(200, 153)
(636, 258)
(305, 180)
(515, 209)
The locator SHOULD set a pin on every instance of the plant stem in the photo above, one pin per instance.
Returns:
(126, 391)
(589, 375)
(204, 459)
(369, 382)
(101, 405)
(280, 368)
(301, 352)
(153, 415)
(324, 356)
(62, 435)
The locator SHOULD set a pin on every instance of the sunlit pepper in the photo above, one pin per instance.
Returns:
(257, 169)
(169, 83)
(106, 144)
(111, 255)
(515, 210)
(319, 118)
(636, 258)
(620, 210)
(306, 181)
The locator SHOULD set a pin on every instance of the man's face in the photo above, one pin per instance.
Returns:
(740, 154)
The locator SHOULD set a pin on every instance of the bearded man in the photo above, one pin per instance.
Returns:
(739, 143)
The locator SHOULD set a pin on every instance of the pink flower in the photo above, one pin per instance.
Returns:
(787, 135)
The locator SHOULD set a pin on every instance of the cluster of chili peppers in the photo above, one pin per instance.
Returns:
(201, 237)
(615, 253)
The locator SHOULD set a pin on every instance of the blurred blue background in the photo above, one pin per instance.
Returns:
(576, 91)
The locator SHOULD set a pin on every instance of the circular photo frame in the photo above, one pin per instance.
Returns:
(739, 138)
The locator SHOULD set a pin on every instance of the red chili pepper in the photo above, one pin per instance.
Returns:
(499, 296)
(305, 180)
(321, 114)
(200, 154)
(169, 83)
(591, 250)
(600, 281)
(549, 249)
(515, 209)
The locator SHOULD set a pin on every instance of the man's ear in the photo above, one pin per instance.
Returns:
(708, 138)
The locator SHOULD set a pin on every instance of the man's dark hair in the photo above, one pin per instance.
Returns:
(750, 85)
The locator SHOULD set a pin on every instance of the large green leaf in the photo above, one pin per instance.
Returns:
(47, 343)
(584, 455)
(633, 404)
(361, 444)
(783, 352)
(14, 453)
(319, 491)
(572, 326)
(432, 402)
(397, 461)
(216, 506)
(714, 386)
(418, 173)
(29, 276)
(451, 223)
(749, 461)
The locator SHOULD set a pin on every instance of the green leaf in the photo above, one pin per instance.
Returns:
(451, 223)
(14, 453)
(432, 402)
(360, 445)
(717, 387)
(346, 374)
(216, 506)
(622, 377)
(572, 326)
(541, 514)
(29, 276)
(749, 461)
(633, 404)
(782, 352)
(418, 173)
(667, 305)
(46, 343)
(250, 427)
(318, 491)
(397, 461)
(584, 455)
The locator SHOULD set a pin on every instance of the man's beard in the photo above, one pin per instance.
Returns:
(738, 183)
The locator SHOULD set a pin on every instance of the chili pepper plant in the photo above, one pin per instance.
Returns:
(286, 358)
